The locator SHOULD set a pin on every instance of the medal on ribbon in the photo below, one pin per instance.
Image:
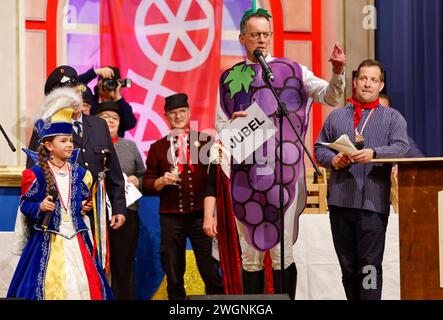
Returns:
(359, 137)
(66, 217)
(359, 141)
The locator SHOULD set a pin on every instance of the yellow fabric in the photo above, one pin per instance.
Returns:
(87, 179)
(100, 239)
(55, 273)
(194, 284)
(63, 115)
(94, 208)
(161, 293)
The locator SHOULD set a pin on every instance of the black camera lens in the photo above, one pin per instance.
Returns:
(110, 84)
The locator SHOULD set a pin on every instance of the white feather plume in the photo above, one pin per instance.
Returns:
(58, 99)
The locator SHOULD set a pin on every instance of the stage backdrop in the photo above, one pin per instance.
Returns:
(165, 47)
(70, 32)
(410, 47)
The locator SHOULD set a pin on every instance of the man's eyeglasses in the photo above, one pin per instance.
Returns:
(256, 35)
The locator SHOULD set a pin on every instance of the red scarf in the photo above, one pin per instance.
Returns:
(184, 154)
(359, 108)
(115, 140)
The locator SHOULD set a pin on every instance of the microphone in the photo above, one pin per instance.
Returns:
(266, 69)
(47, 217)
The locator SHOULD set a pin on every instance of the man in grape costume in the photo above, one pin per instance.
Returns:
(255, 182)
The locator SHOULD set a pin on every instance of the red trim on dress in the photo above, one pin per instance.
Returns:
(28, 178)
(95, 286)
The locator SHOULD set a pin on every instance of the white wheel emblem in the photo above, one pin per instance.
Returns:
(177, 28)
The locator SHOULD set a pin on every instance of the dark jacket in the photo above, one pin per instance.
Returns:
(187, 197)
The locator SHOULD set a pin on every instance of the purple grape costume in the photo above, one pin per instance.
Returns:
(255, 184)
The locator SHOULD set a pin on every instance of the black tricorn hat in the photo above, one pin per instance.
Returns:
(62, 76)
(178, 100)
(107, 106)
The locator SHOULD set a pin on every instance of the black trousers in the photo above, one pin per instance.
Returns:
(175, 228)
(359, 241)
(123, 247)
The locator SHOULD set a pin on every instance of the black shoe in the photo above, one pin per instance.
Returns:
(290, 284)
(253, 282)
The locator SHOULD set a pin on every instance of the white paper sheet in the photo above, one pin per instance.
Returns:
(342, 144)
(131, 192)
(244, 135)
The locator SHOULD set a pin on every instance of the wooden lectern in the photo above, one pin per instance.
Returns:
(421, 260)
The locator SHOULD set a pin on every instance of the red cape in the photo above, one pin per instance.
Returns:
(229, 248)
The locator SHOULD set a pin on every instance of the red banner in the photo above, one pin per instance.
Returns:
(165, 47)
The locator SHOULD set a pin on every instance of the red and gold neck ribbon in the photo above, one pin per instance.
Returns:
(359, 108)
(184, 154)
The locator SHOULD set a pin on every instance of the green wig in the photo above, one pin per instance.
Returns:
(251, 12)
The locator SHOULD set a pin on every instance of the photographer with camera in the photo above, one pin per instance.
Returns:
(108, 88)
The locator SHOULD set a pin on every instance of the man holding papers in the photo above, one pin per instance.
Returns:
(359, 190)
(255, 181)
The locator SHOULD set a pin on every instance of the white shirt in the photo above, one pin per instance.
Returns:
(80, 119)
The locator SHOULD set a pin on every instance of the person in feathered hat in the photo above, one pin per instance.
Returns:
(56, 264)
(255, 188)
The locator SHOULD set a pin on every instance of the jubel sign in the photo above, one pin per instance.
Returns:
(246, 132)
(245, 135)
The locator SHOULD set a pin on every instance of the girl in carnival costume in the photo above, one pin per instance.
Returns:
(56, 263)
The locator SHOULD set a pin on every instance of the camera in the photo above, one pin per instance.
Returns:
(112, 84)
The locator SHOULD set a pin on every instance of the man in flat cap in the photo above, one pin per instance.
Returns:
(180, 179)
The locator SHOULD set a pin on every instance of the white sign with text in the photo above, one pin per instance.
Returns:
(244, 135)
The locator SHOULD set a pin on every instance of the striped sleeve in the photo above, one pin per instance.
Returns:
(398, 144)
(323, 154)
